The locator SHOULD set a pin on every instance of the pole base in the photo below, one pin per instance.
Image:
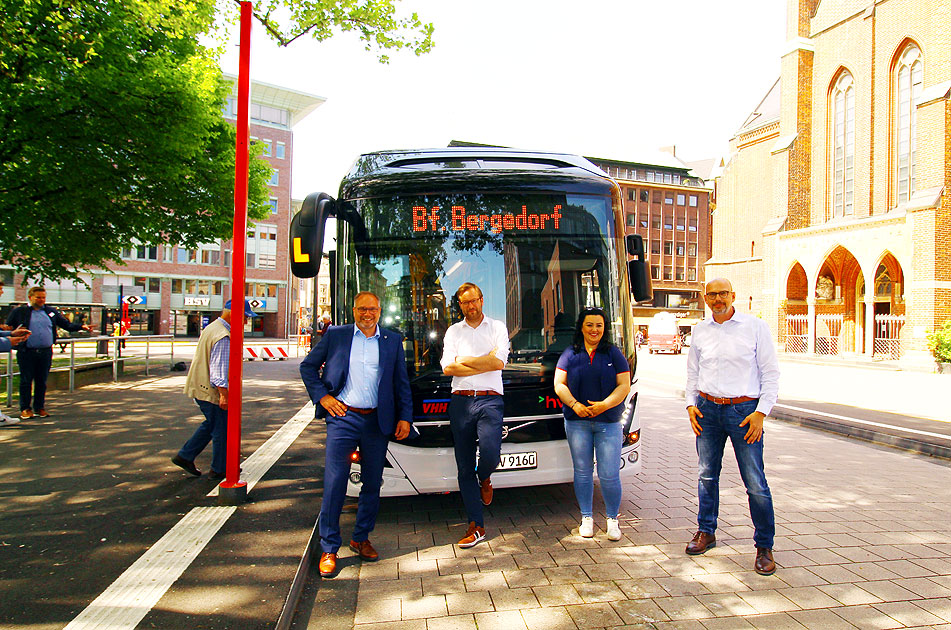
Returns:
(236, 494)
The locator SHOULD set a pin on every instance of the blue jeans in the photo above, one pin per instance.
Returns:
(587, 439)
(343, 436)
(215, 430)
(475, 420)
(718, 423)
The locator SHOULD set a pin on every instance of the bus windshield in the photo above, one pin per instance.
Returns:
(538, 258)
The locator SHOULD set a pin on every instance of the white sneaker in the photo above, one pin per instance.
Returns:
(6, 421)
(587, 527)
(614, 530)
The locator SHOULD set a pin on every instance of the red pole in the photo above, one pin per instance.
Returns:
(232, 489)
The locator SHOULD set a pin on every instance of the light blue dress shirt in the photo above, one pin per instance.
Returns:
(363, 378)
(41, 327)
(218, 361)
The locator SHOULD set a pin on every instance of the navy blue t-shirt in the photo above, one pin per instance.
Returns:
(593, 377)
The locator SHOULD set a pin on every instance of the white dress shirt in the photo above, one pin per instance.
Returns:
(462, 340)
(733, 359)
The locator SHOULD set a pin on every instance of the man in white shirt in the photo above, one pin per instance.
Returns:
(474, 352)
(732, 384)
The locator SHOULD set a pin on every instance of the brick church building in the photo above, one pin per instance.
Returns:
(833, 212)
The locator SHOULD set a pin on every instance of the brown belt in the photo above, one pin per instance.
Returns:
(475, 392)
(360, 411)
(727, 401)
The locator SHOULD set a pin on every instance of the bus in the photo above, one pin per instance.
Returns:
(542, 234)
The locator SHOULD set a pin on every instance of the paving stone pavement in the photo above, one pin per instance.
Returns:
(861, 543)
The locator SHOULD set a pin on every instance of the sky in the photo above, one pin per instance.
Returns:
(603, 78)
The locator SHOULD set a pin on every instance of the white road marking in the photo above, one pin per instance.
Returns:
(866, 422)
(262, 459)
(127, 600)
(134, 593)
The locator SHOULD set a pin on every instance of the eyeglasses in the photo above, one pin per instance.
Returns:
(468, 302)
(713, 294)
(367, 309)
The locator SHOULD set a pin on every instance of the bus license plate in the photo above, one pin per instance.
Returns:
(518, 461)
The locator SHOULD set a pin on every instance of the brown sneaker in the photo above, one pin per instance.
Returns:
(327, 564)
(700, 543)
(764, 564)
(42, 413)
(26, 413)
(474, 535)
(365, 549)
(486, 491)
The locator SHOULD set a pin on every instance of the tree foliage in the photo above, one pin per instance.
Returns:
(111, 130)
(375, 21)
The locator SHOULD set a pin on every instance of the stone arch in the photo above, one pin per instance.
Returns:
(838, 314)
(794, 303)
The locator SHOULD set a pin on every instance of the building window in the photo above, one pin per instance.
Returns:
(691, 274)
(168, 255)
(680, 273)
(693, 201)
(692, 249)
(262, 247)
(908, 76)
(668, 247)
(630, 194)
(209, 254)
(668, 223)
(655, 272)
(279, 151)
(669, 199)
(632, 220)
(692, 226)
(676, 179)
(267, 147)
(680, 249)
(668, 273)
(668, 179)
(187, 255)
(645, 195)
(655, 247)
(273, 203)
(680, 224)
(681, 199)
(650, 176)
(643, 220)
(655, 222)
(275, 178)
(843, 146)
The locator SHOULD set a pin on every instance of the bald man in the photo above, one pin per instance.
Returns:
(732, 384)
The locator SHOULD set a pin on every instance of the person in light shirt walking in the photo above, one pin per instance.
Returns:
(474, 352)
(732, 385)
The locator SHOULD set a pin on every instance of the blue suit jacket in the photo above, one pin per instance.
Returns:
(324, 371)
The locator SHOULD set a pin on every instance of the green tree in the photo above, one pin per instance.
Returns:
(111, 130)
(375, 21)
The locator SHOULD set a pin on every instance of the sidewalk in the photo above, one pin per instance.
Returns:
(86, 492)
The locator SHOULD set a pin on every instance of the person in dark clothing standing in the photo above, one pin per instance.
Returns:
(35, 357)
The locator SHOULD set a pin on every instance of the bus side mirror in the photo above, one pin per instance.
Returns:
(637, 270)
(307, 234)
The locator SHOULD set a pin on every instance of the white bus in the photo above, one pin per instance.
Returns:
(542, 235)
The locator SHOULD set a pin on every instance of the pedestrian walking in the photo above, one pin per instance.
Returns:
(474, 352)
(732, 384)
(593, 379)
(207, 383)
(356, 377)
(35, 357)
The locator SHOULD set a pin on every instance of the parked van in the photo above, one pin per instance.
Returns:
(663, 334)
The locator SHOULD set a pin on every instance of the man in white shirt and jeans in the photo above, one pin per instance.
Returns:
(732, 384)
(474, 352)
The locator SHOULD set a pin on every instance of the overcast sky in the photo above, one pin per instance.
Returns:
(605, 78)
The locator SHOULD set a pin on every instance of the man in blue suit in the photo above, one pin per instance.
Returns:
(363, 392)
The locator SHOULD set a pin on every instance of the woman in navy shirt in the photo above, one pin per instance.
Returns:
(592, 380)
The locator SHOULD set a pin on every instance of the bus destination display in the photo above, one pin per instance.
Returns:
(430, 219)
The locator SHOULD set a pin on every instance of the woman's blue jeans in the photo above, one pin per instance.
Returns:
(587, 439)
(720, 422)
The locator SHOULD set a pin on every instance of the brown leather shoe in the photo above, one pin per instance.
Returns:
(43, 413)
(365, 549)
(474, 535)
(486, 491)
(327, 564)
(700, 543)
(764, 564)
(26, 414)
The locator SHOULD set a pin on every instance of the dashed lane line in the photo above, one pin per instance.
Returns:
(134, 593)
